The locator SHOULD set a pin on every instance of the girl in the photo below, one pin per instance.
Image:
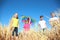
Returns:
(15, 25)
(27, 24)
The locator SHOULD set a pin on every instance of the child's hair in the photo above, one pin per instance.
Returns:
(17, 18)
(41, 16)
(53, 13)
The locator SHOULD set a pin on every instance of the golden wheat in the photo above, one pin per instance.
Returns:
(53, 34)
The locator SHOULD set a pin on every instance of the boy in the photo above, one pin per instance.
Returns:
(53, 20)
(42, 24)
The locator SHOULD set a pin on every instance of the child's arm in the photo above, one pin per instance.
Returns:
(39, 25)
(46, 25)
(29, 20)
(50, 22)
(18, 24)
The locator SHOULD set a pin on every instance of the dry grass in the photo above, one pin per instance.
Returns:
(53, 34)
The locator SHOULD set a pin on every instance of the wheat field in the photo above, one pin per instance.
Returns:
(53, 34)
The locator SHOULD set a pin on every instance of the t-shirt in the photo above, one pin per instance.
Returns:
(53, 19)
(42, 24)
(27, 25)
(15, 22)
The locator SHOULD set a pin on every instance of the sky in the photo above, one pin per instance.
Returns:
(32, 8)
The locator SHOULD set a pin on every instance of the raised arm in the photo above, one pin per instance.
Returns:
(29, 20)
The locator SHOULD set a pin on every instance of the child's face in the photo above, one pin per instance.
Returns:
(41, 18)
(26, 22)
(53, 15)
(16, 15)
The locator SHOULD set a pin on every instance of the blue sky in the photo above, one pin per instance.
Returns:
(32, 8)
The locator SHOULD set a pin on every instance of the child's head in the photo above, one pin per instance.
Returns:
(16, 15)
(53, 14)
(27, 21)
(41, 17)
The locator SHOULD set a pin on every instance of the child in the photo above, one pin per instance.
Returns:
(27, 25)
(42, 23)
(15, 25)
(53, 20)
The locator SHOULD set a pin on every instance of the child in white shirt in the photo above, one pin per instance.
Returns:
(42, 23)
(53, 20)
